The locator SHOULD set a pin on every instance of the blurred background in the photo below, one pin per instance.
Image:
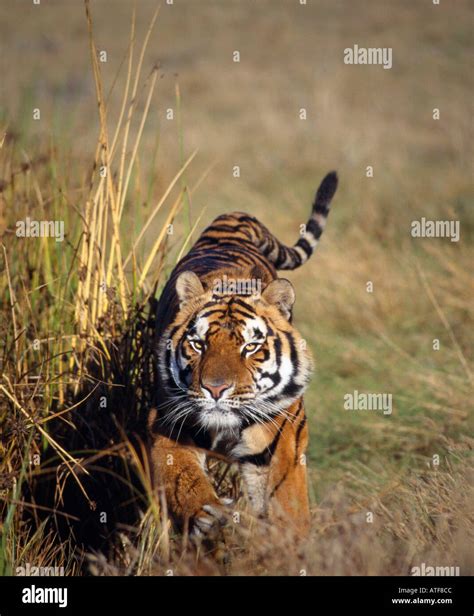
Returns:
(247, 114)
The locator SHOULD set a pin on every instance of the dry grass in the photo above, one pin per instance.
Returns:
(76, 318)
(425, 517)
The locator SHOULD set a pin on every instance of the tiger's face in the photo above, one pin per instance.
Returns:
(230, 360)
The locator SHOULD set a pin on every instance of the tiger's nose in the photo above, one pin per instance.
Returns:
(216, 387)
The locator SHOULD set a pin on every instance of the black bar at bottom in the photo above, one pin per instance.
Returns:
(366, 595)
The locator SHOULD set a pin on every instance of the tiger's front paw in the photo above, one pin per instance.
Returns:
(211, 518)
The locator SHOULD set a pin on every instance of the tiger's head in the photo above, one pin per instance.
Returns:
(230, 360)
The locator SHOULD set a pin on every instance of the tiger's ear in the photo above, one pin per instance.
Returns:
(281, 294)
(188, 287)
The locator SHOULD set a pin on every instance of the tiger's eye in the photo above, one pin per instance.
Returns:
(251, 347)
(197, 345)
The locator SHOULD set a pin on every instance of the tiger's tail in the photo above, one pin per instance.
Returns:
(289, 258)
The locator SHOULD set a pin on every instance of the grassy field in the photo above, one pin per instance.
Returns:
(67, 340)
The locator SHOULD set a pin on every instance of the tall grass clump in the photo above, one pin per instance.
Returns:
(77, 331)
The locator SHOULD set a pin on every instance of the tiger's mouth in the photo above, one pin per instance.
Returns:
(233, 413)
(222, 414)
(201, 413)
(226, 404)
(219, 419)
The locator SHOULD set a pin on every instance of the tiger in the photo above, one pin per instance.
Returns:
(232, 370)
